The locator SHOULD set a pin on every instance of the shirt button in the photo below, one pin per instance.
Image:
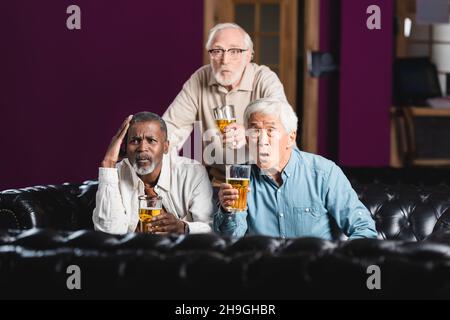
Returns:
(307, 209)
(281, 214)
(279, 190)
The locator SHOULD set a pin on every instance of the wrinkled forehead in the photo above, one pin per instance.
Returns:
(145, 128)
(229, 38)
(262, 120)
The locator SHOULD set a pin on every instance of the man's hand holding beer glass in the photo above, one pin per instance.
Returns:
(233, 193)
(233, 134)
(167, 223)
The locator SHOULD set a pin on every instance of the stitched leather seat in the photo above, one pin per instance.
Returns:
(34, 263)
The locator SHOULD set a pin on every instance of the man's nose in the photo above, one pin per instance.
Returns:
(263, 139)
(142, 146)
(225, 57)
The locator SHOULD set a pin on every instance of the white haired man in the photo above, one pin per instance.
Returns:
(292, 193)
(229, 79)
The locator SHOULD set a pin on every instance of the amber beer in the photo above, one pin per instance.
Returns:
(223, 123)
(149, 207)
(224, 116)
(146, 214)
(242, 186)
(238, 175)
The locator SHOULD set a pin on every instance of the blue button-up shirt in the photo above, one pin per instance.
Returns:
(313, 190)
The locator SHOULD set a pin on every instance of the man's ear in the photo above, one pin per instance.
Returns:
(166, 146)
(292, 138)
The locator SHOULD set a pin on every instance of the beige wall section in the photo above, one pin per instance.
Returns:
(288, 56)
(311, 85)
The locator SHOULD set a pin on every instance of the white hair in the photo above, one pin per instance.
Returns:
(248, 43)
(268, 106)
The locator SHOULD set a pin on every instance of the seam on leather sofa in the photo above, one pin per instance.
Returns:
(6, 211)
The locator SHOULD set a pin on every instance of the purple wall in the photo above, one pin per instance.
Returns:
(64, 93)
(365, 84)
(329, 84)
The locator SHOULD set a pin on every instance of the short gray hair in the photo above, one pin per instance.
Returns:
(228, 25)
(268, 106)
(145, 116)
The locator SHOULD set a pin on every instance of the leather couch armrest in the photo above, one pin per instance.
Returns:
(8, 219)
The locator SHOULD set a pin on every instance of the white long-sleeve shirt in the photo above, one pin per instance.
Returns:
(183, 185)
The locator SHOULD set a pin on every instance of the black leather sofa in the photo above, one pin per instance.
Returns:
(412, 252)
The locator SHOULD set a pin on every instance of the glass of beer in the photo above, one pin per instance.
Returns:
(224, 116)
(238, 175)
(149, 207)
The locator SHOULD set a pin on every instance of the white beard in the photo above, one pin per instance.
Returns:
(227, 82)
(144, 170)
(234, 78)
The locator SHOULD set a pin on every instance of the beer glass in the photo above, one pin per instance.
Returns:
(238, 175)
(149, 207)
(224, 116)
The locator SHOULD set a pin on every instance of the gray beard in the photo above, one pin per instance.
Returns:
(234, 77)
(144, 171)
(225, 83)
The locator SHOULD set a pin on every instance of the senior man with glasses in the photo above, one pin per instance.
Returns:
(230, 79)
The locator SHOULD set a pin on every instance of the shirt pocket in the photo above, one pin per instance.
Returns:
(309, 221)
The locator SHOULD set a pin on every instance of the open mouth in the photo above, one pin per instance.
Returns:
(264, 156)
(142, 160)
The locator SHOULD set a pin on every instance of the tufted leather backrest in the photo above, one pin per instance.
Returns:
(404, 212)
(61, 207)
(401, 211)
(33, 263)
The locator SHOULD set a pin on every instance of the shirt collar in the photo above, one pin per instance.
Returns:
(246, 83)
(164, 176)
(289, 168)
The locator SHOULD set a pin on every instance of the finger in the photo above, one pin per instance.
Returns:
(225, 186)
(240, 143)
(230, 192)
(229, 133)
(228, 204)
(227, 207)
(229, 129)
(232, 126)
(124, 127)
(162, 216)
(168, 228)
(230, 197)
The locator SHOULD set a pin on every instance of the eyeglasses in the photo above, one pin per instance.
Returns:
(255, 133)
(218, 53)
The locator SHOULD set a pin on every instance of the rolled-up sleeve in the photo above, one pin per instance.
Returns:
(349, 212)
(230, 224)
